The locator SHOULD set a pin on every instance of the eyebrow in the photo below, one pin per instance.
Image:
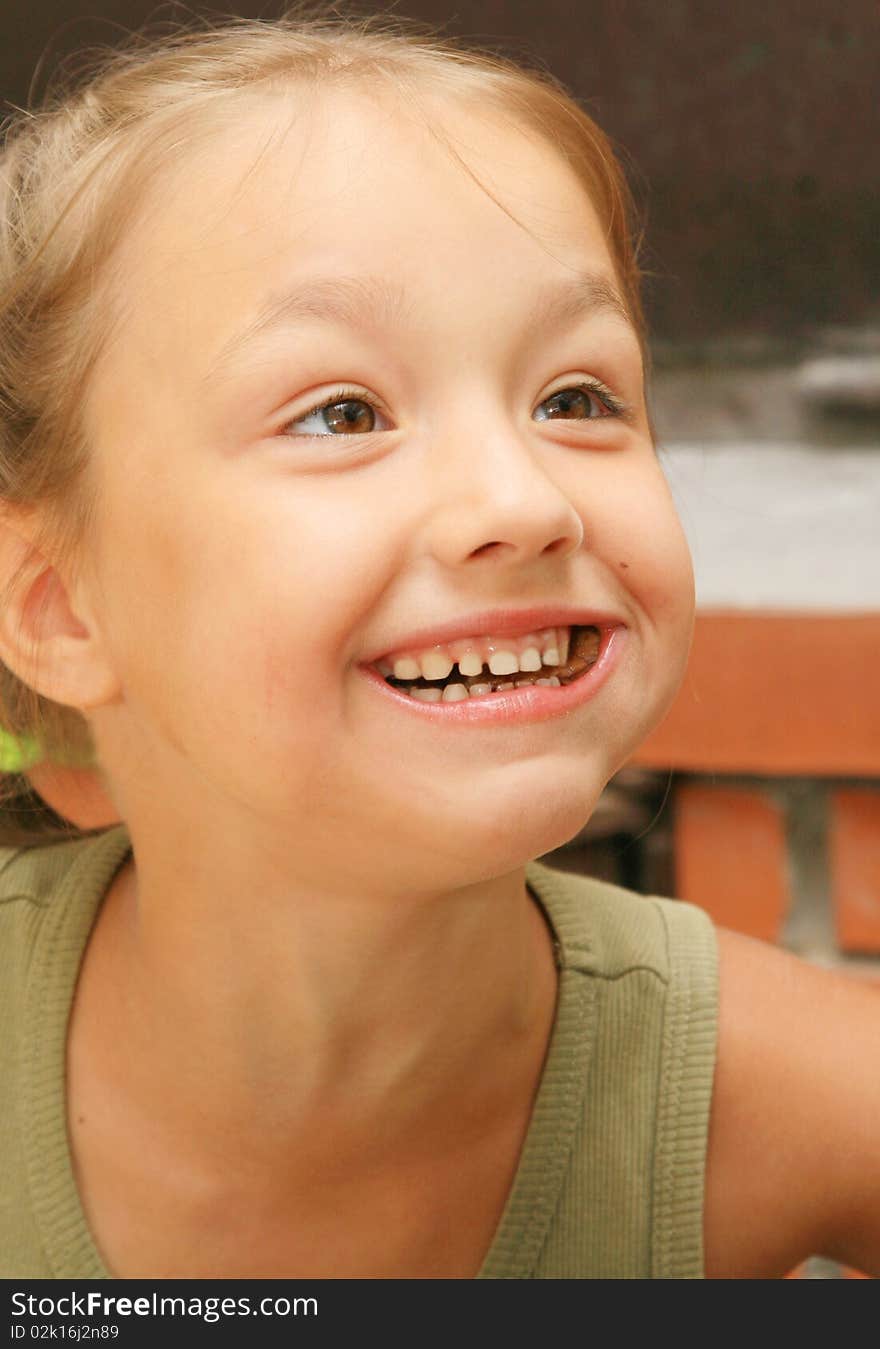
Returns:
(354, 300)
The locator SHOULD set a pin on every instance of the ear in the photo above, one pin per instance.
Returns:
(43, 639)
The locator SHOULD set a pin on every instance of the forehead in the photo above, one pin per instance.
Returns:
(345, 182)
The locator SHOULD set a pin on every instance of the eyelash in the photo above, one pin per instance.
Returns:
(615, 406)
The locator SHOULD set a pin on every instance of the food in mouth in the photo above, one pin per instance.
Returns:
(581, 655)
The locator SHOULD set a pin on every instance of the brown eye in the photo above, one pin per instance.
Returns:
(346, 413)
(579, 403)
(351, 415)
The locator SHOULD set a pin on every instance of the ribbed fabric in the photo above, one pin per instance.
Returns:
(49, 898)
(611, 1177)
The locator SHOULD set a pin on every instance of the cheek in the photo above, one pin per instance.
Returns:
(667, 575)
(275, 588)
(645, 546)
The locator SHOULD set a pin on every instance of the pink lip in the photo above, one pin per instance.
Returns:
(533, 703)
(497, 623)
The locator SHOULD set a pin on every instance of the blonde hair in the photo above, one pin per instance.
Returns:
(72, 173)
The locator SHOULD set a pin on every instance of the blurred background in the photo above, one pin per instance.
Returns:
(750, 134)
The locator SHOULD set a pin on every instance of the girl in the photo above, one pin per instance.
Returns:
(333, 526)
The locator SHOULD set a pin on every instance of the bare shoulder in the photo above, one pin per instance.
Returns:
(793, 1166)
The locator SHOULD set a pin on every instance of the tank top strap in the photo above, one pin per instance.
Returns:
(611, 1178)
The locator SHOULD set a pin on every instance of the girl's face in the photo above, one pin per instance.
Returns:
(250, 552)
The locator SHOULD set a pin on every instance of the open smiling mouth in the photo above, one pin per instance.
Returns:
(583, 652)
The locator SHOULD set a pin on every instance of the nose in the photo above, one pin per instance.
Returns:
(496, 498)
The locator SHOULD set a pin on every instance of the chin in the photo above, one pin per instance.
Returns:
(528, 828)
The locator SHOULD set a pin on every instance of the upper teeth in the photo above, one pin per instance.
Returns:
(503, 655)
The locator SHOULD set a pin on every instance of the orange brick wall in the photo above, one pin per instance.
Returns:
(736, 855)
(854, 824)
(775, 693)
(771, 701)
(730, 856)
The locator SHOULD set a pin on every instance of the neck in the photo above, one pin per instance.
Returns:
(257, 1021)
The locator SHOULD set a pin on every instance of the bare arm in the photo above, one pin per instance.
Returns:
(793, 1165)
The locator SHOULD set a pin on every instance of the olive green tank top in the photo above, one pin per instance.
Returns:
(611, 1176)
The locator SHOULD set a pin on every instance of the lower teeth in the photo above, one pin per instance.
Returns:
(453, 693)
